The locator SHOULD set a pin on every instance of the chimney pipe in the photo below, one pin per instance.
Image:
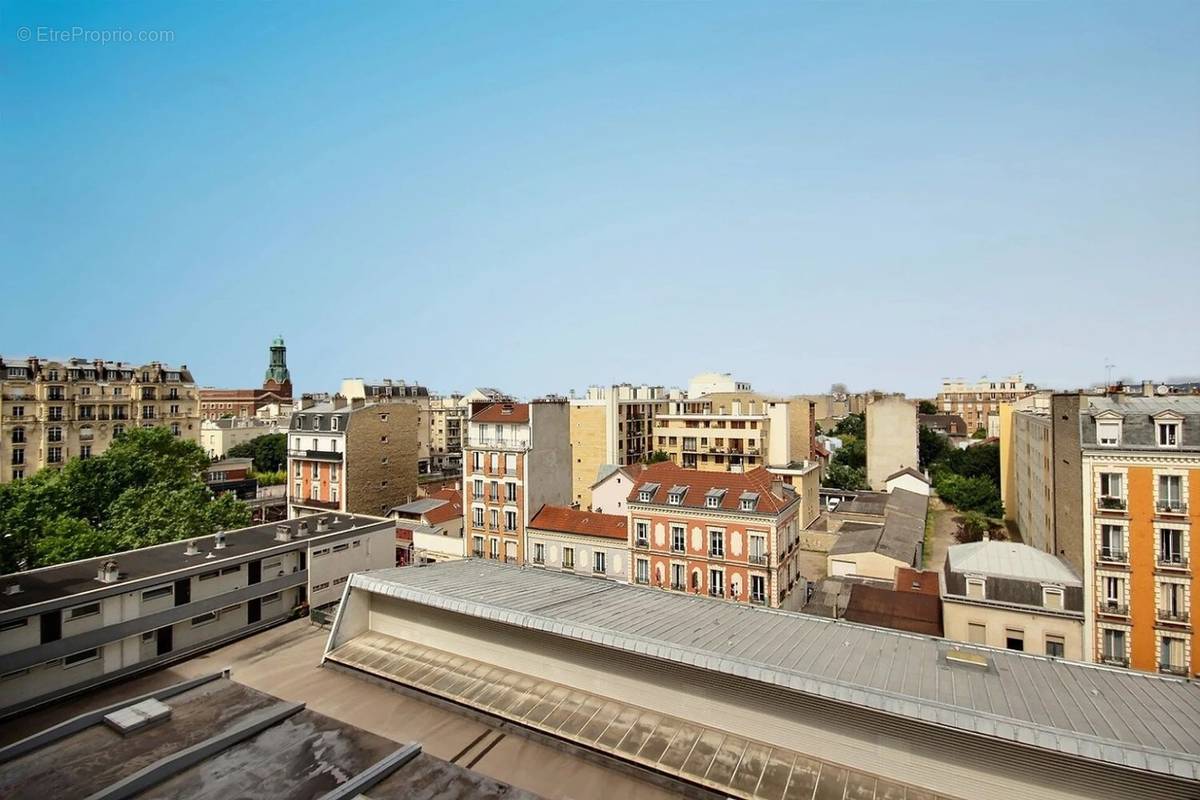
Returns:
(219, 540)
(108, 572)
(191, 549)
(283, 533)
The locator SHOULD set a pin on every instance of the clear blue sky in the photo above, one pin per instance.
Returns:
(539, 196)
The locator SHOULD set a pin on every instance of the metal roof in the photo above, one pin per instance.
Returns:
(1011, 560)
(1133, 719)
(420, 506)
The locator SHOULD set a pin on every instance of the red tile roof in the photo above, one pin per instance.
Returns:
(666, 474)
(503, 412)
(887, 608)
(585, 523)
(922, 581)
(820, 450)
(451, 510)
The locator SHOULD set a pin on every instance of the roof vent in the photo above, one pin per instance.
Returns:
(108, 572)
(138, 716)
(302, 528)
(283, 533)
(209, 555)
(12, 588)
(219, 540)
(191, 549)
(506, 408)
(322, 524)
(967, 658)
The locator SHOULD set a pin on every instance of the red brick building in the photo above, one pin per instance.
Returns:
(276, 388)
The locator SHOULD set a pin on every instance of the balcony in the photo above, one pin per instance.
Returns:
(758, 600)
(1173, 669)
(1109, 555)
(1174, 615)
(1112, 610)
(1111, 503)
(312, 502)
(679, 587)
(642, 542)
(761, 558)
(316, 455)
(1173, 561)
(1171, 507)
(1115, 661)
(477, 443)
(642, 580)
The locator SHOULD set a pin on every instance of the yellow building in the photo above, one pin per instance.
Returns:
(1027, 469)
(611, 425)
(53, 411)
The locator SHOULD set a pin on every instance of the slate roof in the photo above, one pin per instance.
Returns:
(902, 531)
(1139, 720)
(1137, 424)
(699, 482)
(584, 523)
(1010, 560)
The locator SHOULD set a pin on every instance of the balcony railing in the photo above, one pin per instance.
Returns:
(1111, 503)
(758, 600)
(568, 565)
(1172, 615)
(1173, 561)
(312, 502)
(539, 560)
(760, 558)
(675, 549)
(1115, 661)
(316, 455)
(478, 443)
(1171, 507)
(643, 580)
(1173, 669)
(642, 541)
(1113, 610)
(1111, 556)
(598, 571)
(679, 587)
(715, 553)
(477, 553)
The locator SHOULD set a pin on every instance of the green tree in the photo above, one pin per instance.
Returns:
(657, 457)
(149, 515)
(980, 433)
(269, 452)
(926, 407)
(839, 476)
(979, 460)
(269, 478)
(969, 494)
(852, 425)
(931, 447)
(852, 454)
(972, 525)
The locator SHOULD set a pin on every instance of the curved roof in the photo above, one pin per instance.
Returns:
(1011, 560)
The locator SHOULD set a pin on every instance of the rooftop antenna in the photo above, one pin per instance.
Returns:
(1108, 368)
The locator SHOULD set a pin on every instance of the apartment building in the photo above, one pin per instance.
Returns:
(724, 534)
(831, 407)
(1140, 479)
(217, 436)
(892, 438)
(1011, 595)
(73, 626)
(1027, 471)
(611, 425)
(517, 459)
(53, 411)
(735, 431)
(276, 390)
(447, 427)
(975, 401)
(581, 542)
(435, 525)
(440, 420)
(348, 455)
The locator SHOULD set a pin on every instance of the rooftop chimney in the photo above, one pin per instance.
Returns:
(283, 533)
(191, 549)
(302, 528)
(322, 524)
(108, 572)
(219, 540)
(339, 401)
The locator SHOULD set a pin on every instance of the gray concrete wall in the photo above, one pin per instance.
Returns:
(1067, 519)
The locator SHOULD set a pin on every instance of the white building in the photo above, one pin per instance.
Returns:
(218, 436)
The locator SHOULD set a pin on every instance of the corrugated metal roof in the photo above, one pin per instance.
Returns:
(1139, 720)
(1011, 560)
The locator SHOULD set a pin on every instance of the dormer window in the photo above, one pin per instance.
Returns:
(333, 423)
(975, 588)
(646, 493)
(748, 501)
(299, 422)
(675, 496)
(316, 423)
(714, 497)
(1052, 597)
(1167, 428)
(1108, 429)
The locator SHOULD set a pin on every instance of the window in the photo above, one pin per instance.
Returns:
(1113, 594)
(477, 460)
(539, 553)
(204, 619)
(677, 581)
(1014, 639)
(207, 576)
(324, 551)
(148, 636)
(749, 503)
(1113, 647)
(758, 589)
(510, 492)
(1170, 547)
(273, 597)
(13, 624)
(54, 455)
(82, 657)
(712, 501)
(758, 549)
(299, 490)
(338, 548)
(716, 582)
(976, 633)
(54, 434)
(510, 463)
(89, 610)
(477, 517)
(678, 538)
(1112, 543)
(1112, 490)
(495, 547)
(316, 470)
(568, 558)
(320, 586)
(642, 571)
(333, 472)
(598, 562)
(383, 417)
(1170, 494)
(157, 592)
(1171, 652)
(644, 496)
(494, 519)
(493, 490)
(494, 459)
(716, 543)
(675, 496)
(1108, 433)
(1052, 597)
(510, 520)
(1168, 434)
(333, 423)
(477, 549)
(18, 456)
(18, 436)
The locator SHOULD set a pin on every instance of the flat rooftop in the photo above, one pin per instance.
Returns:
(64, 580)
(1133, 719)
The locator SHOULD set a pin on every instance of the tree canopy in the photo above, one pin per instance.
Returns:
(852, 425)
(145, 489)
(926, 407)
(840, 476)
(269, 452)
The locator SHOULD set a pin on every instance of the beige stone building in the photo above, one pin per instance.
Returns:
(347, 455)
(736, 431)
(891, 438)
(53, 411)
(975, 401)
(217, 436)
(441, 420)
(829, 408)
(1027, 471)
(611, 425)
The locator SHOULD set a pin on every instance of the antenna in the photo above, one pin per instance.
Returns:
(1108, 368)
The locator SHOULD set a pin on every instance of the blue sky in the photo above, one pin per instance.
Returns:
(539, 196)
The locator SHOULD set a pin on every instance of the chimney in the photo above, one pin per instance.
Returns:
(219, 540)
(777, 486)
(1147, 389)
(358, 402)
(339, 402)
(283, 533)
(302, 528)
(322, 524)
(108, 572)
(191, 549)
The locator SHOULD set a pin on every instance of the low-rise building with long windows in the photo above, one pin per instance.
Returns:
(583, 542)
(1141, 507)
(725, 534)
(72, 626)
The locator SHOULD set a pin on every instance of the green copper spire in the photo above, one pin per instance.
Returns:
(278, 370)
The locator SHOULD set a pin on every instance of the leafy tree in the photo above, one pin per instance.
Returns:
(149, 515)
(969, 494)
(932, 446)
(926, 407)
(852, 454)
(980, 433)
(269, 478)
(269, 452)
(852, 425)
(973, 525)
(972, 462)
(657, 457)
(840, 476)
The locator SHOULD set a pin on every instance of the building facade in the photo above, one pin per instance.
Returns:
(892, 438)
(276, 390)
(611, 425)
(1027, 473)
(217, 436)
(975, 401)
(1140, 473)
(517, 458)
(435, 523)
(53, 411)
(735, 432)
(73, 626)
(351, 456)
(580, 542)
(723, 534)
(1011, 595)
